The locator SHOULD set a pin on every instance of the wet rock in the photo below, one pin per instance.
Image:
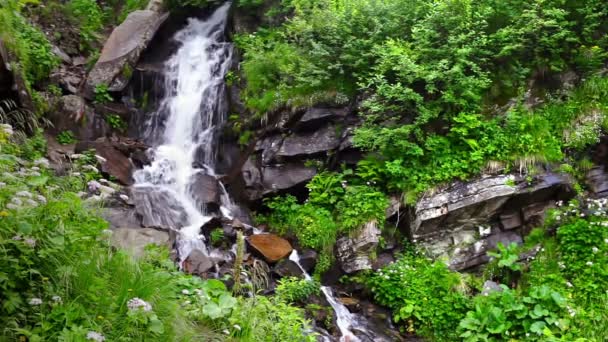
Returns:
(136, 239)
(210, 225)
(352, 304)
(114, 155)
(354, 253)
(198, 263)
(206, 192)
(510, 220)
(308, 260)
(287, 268)
(122, 50)
(272, 247)
(158, 208)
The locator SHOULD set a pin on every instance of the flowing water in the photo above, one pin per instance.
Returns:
(185, 128)
(344, 319)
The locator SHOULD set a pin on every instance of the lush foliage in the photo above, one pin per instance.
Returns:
(292, 289)
(423, 295)
(115, 121)
(90, 18)
(61, 280)
(66, 138)
(30, 46)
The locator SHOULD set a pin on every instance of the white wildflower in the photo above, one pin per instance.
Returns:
(595, 250)
(17, 237)
(569, 284)
(56, 299)
(226, 332)
(41, 198)
(93, 186)
(605, 240)
(31, 202)
(95, 336)
(16, 201)
(137, 303)
(186, 292)
(124, 197)
(237, 327)
(30, 242)
(35, 301)
(589, 263)
(12, 206)
(25, 194)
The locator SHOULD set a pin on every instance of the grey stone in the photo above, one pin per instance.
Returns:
(206, 191)
(198, 263)
(158, 208)
(510, 220)
(287, 268)
(122, 50)
(354, 252)
(62, 55)
(318, 141)
(135, 240)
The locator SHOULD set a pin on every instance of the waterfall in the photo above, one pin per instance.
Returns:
(344, 318)
(185, 128)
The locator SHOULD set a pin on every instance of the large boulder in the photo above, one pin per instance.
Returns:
(465, 220)
(354, 252)
(263, 180)
(206, 191)
(198, 263)
(123, 48)
(272, 247)
(116, 156)
(158, 208)
(318, 141)
(135, 240)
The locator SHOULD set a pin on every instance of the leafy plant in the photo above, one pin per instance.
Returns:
(507, 257)
(102, 94)
(292, 289)
(115, 121)
(66, 138)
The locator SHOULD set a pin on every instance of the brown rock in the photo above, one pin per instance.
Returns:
(270, 246)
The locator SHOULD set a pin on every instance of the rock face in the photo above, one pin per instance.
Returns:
(278, 161)
(12, 85)
(270, 246)
(153, 205)
(206, 191)
(136, 239)
(467, 219)
(116, 156)
(122, 50)
(354, 253)
(70, 114)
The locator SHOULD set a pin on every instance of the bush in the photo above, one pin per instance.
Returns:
(292, 289)
(422, 295)
(66, 138)
(89, 17)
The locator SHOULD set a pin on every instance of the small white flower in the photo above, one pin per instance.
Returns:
(187, 302)
(226, 332)
(595, 250)
(124, 197)
(95, 336)
(30, 242)
(237, 327)
(569, 284)
(186, 292)
(605, 240)
(17, 237)
(137, 303)
(198, 291)
(589, 263)
(56, 299)
(25, 194)
(35, 301)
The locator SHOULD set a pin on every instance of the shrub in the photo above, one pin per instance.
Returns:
(422, 294)
(102, 94)
(361, 204)
(292, 289)
(504, 315)
(115, 121)
(89, 17)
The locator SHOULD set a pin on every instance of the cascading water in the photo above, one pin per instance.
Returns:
(344, 318)
(184, 129)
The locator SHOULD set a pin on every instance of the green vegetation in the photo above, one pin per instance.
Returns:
(50, 239)
(90, 20)
(102, 94)
(66, 138)
(116, 122)
(292, 289)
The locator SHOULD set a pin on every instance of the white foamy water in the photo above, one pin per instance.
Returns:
(187, 123)
(344, 319)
